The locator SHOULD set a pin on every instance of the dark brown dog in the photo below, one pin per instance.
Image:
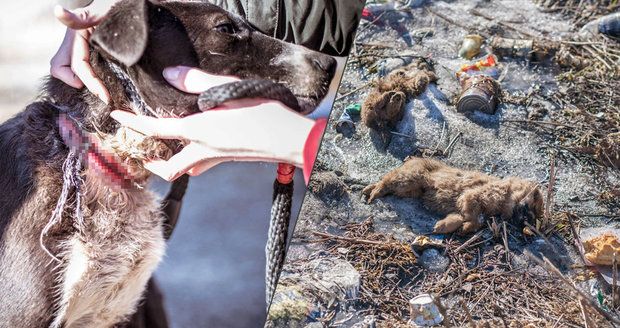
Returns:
(463, 196)
(108, 244)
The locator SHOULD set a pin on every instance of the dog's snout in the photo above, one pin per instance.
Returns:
(324, 63)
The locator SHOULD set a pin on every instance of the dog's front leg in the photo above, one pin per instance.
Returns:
(471, 208)
(375, 190)
(450, 223)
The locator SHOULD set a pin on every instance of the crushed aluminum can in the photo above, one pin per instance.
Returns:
(479, 92)
(345, 124)
(424, 312)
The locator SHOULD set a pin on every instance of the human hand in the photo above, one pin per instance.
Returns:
(71, 63)
(246, 130)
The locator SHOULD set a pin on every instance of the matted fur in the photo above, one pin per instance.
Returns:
(463, 196)
(384, 106)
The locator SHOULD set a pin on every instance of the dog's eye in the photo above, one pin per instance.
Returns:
(227, 28)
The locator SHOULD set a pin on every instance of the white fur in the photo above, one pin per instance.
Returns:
(110, 261)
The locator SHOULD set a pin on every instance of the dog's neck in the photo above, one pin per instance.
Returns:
(92, 116)
(132, 94)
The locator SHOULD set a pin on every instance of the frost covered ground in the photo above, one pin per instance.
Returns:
(486, 143)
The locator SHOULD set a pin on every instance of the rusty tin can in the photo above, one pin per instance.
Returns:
(479, 92)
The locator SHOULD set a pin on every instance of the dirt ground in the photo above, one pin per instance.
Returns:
(372, 243)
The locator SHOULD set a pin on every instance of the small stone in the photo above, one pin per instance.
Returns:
(337, 275)
(433, 261)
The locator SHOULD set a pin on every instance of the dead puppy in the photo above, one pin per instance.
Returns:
(75, 249)
(464, 197)
(384, 106)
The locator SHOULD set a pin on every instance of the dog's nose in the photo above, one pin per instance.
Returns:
(324, 63)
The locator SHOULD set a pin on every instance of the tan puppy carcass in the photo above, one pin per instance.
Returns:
(385, 104)
(464, 197)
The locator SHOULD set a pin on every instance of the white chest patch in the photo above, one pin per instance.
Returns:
(108, 264)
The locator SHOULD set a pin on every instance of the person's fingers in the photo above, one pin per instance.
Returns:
(193, 80)
(80, 18)
(178, 164)
(60, 64)
(80, 64)
(165, 128)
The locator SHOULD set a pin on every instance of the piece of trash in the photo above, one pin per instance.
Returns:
(353, 109)
(602, 249)
(386, 14)
(471, 46)
(608, 25)
(479, 92)
(424, 312)
(345, 124)
(522, 49)
(433, 261)
(527, 231)
(589, 236)
(423, 242)
(482, 66)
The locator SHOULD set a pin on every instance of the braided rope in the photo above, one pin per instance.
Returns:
(275, 250)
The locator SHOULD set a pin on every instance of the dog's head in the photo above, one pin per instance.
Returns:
(530, 203)
(144, 37)
(139, 38)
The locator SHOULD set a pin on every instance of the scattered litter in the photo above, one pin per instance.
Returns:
(471, 46)
(602, 248)
(386, 14)
(522, 49)
(424, 312)
(483, 66)
(421, 243)
(345, 124)
(353, 109)
(479, 92)
(608, 25)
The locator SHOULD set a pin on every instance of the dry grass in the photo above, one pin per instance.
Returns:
(480, 286)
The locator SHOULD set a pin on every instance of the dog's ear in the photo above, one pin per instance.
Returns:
(123, 34)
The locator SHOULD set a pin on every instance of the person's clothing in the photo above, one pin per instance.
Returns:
(327, 26)
(311, 148)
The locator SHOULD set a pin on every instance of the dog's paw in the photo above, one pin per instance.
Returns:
(449, 224)
(470, 227)
(371, 192)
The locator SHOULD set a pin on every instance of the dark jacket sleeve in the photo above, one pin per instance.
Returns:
(324, 25)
